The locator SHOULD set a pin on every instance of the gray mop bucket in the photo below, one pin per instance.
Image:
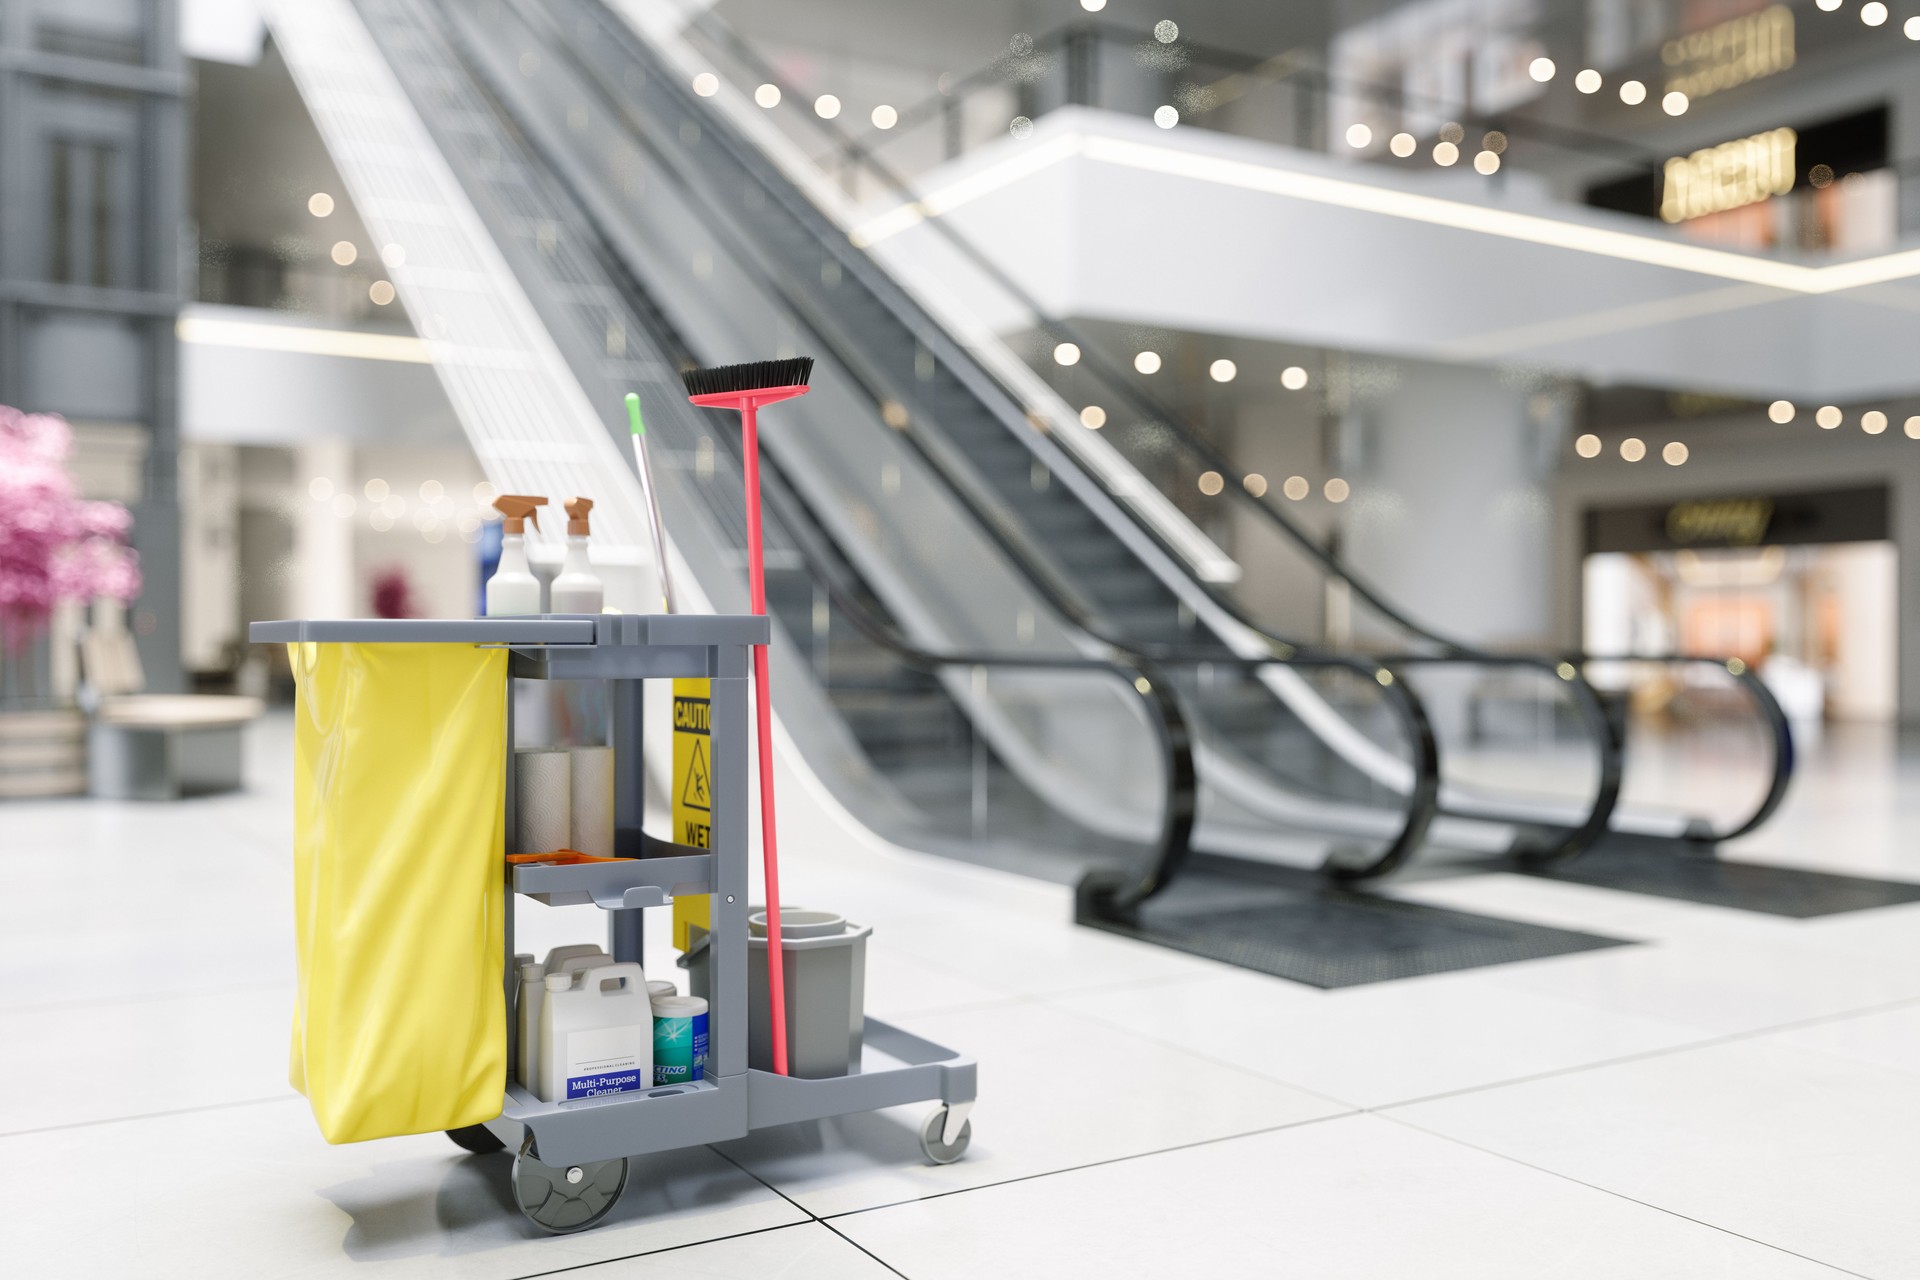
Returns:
(826, 979)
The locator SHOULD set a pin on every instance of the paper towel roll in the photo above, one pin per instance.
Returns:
(542, 799)
(592, 800)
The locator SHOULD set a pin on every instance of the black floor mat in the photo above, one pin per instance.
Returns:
(1690, 873)
(1307, 931)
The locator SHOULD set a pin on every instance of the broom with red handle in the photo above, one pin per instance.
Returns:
(745, 388)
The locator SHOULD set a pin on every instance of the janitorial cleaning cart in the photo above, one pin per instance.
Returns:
(406, 879)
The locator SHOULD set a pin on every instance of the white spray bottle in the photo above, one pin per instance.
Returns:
(513, 590)
(578, 588)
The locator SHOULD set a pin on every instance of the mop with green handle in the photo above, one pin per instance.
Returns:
(746, 387)
(639, 430)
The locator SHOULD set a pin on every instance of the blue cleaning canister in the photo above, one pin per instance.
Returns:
(679, 1039)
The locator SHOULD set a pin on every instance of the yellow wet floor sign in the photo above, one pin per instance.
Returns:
(692, 792)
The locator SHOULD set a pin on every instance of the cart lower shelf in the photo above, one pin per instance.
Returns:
(564, 1174)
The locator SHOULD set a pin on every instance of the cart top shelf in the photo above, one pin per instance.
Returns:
(538, 629)
(558, 646)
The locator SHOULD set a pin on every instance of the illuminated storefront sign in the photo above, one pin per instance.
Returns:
(1744, 520)
(1730, 53)
(1744, 171)
(1731, 522)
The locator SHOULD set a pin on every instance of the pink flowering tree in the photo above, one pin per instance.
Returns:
(54, 545)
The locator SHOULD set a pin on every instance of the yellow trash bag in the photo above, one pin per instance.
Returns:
(399, 886)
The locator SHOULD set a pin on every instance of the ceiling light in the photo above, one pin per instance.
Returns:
(1403, 144)
(1211, 483)
(320, 488)
(1337, 490)
(1913, 427)
(1781, 411)
(377, 489)
(1222, 370)
(1293, 377)
(767, 95)
(319, 204)
(1828, 416)
(1296, 487)
(826, 106)
(1674, 104)
(1633, 93)
(484, 493)
(1873, 13)
(1495, 141)
(1445, 153)
(706, 84)
(1873, 422)
(885, 117)
(1912, 28)
(1147, 362)
(1255, 484)
(1587, 446)
(1166, 117)
(1674, 454)
(1541, 69)
(1093, 6)
(1633, 449)
(1093, 416)
(1358, 135)
(1486, 163)
(1828, 5)
(1020, 126)
(1166, 31)
(344, 253)
(1587, 81)
(1066, 353)
(380, 292)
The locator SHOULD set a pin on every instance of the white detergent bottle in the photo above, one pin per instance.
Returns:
(596, 1033)
(513, 590)
(578, 588)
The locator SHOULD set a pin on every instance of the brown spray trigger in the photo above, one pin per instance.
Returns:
(515, 508)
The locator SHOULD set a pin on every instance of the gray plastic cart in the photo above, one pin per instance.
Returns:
(571, 1157)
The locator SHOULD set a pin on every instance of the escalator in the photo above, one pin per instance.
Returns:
(979, 644)
(924, 668)
(1578, 707)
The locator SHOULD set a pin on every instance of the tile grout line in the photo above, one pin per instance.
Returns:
(150, 1115)
(648, 1253)
(1621, 1195)
(1691, 1046)
(825, 1219)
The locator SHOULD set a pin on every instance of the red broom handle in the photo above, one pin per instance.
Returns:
(763, 716)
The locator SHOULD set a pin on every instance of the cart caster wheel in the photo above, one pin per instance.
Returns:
(940, 1152)
(571, 1198)
(476, 1138)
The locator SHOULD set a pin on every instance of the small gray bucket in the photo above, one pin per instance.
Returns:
(826, 979)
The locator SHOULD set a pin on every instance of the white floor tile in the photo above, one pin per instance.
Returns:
(1889, 1038)
(254, 1191)
(1804, 1150)
(1384, 1043)
(805, 1252)
(84, 1063)
(1056, 1091)
(1719, 985)
(1357, 1198)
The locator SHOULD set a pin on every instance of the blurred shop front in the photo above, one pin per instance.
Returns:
(1801, 586)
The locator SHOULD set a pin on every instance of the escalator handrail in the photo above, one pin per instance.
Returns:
(1607, 746)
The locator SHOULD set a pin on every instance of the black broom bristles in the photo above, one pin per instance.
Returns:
(752, 376)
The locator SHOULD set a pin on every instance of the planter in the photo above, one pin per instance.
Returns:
(42, 753)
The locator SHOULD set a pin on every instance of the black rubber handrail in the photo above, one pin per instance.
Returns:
(1404, 703)
(1599, 728)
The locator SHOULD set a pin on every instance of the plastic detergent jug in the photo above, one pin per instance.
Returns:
(569, 960)
(596, 1033)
